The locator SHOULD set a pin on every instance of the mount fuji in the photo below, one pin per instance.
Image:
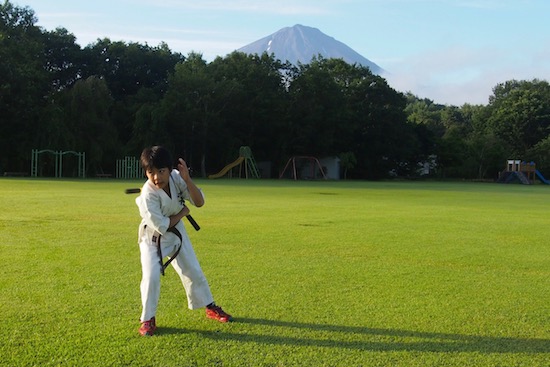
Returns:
(299, 44)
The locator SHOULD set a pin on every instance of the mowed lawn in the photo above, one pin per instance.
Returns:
(314, 273)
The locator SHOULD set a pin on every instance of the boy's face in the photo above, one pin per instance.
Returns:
(159, 177)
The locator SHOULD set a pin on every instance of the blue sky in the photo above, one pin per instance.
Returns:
(450, 51)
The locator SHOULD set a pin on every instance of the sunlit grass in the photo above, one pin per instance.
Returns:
(315, 274)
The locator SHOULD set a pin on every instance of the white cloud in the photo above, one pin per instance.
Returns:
(458, 76)
(451, 76)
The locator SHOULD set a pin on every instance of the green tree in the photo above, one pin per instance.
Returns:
(191, 109)
(255, 109)
(486, 152)
(63, 59)
(384, 141)
(132, 72)
(347, 162)
(23, 84)
(149, 124)
(540, 154)
(339, 107)
(520, 114)
(425, 112)
(63, 63)
(316, 104)
(87, 106)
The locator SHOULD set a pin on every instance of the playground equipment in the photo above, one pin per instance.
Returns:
(303, 167)
(58, 158)
(250, 169)
(541, 177)
(524, 172)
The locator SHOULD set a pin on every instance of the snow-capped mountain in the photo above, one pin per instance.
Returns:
(301, 44)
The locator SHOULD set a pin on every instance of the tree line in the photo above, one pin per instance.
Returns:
(111, 99)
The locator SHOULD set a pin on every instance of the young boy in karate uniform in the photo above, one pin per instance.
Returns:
(162, 234)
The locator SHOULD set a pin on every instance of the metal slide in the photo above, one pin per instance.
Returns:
(227, 168)
(541, 177)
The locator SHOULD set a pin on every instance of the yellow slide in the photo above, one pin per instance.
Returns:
(227, 168)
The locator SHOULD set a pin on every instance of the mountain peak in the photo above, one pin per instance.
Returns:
(300, 44)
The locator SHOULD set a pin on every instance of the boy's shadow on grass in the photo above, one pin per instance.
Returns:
(374, 339)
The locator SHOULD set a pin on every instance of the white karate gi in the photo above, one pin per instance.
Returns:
(155, 207)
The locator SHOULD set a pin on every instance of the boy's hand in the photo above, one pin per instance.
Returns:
(196, 196)
(184, 212)
(183, 169)
(174, 219)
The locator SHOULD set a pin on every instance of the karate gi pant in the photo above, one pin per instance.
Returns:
(185, 264)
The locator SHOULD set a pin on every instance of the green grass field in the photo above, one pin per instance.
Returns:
(314, 273)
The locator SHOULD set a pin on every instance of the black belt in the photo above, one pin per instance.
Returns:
(156, 240)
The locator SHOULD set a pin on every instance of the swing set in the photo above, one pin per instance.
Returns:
(58, 159)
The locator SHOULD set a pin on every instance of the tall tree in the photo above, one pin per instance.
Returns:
(384, 141)
(256, 104)
(128, 69)
(315, 110)
(23, 84)
(63, 58)
(191, 110)
(485, 151)
(63, 64)
(520, 114)
(87, 106)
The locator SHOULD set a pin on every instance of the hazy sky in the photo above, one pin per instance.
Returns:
(450, 51)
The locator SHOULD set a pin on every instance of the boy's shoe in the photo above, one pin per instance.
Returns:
(148, 327)
(216, 313)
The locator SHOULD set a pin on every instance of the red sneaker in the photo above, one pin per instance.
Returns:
(216, 313)
(148, 327)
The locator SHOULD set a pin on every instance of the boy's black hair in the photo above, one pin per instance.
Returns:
(156, 157)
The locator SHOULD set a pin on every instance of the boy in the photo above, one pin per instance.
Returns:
(162, 233)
